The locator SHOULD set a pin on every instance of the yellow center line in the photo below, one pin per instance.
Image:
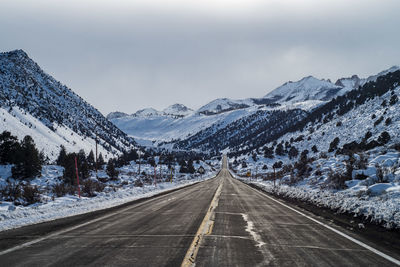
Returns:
(205, 228)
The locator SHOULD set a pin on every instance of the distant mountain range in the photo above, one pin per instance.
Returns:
(32, 102)
(226, 124)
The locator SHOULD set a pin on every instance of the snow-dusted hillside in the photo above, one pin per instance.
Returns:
(177, 110)
(308, 88)
(21, 123)
(224, 118)
(32, 102)
(162, 128)
(345, 155)
(223, 105)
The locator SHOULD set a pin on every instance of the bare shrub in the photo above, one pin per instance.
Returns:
(381, 173)
(294, 179)
(11, 191)
(30, 194)
(89, 187)
(362, 162)
(337, 180)
(61, 189)
(318, 172)
(147, 180)
(287, 168)
(103, 179)
(323, 155)
(360, 176)
(138, 183)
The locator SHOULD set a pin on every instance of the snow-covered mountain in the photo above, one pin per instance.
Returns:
(116, 115)
(177, 110)
(308, 88)
(32, 102)
(344, 155)
(231, 125)
(224, 105)
(147, 113)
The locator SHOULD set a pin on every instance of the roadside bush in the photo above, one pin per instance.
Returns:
(89, 187)
(362, 162)
(337, 180)
(11, 192)
(104, 179)
(111, 171)
(360, 176)
(61, 189)
(318, 172)
(381, 173)
(138, 183)
(30, 194)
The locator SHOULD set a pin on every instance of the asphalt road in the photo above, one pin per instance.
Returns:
(219, 222)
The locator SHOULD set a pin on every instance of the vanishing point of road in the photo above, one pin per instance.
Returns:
(218, 222)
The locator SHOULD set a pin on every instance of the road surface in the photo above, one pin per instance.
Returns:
(219, 222)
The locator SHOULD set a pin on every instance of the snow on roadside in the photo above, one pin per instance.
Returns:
(51, 208)
(384, 208)
(71, 205)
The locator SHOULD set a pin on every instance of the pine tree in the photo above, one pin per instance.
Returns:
(152, 162)
(111, 171)
(69, 175)
(293, 152)
(183, 166)
(91, 160)
(100, 161)
(62, 156)
(83, 165)
(384, 138)
(333, 145)
(279, 150)
(29, 163)
(8, 148)
(314, 149)
(190, 167)
(269, 152)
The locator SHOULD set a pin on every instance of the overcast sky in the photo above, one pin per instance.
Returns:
(130, 54)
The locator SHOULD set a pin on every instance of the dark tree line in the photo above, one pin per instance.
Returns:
(24, 155)
(85, 164)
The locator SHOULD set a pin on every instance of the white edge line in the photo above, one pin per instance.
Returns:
(358, 242)
(55, 234)
(151, 198)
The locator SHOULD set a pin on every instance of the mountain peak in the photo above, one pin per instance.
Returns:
(52, 108)
(308, 88)
(147, 112)
(116, 115)
(18, 52)
(177, 110)
(221, 105)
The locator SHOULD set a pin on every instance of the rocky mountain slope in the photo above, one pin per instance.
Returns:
(238, 123)
(32, 102)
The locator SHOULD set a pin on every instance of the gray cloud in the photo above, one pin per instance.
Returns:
(125, 56)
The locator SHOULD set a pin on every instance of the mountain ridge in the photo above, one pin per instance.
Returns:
(306, 94)
(37, 98)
